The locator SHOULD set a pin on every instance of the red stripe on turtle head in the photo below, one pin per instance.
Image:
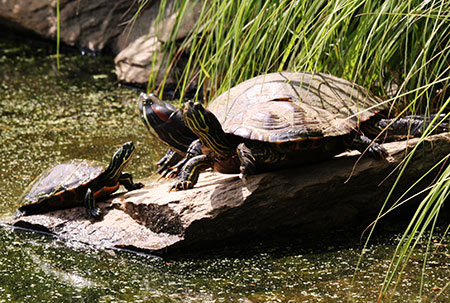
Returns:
(160, 113)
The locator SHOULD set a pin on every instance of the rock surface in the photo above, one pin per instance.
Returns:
(311, 199)
(135, 62)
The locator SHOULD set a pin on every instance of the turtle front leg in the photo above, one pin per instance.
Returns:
(165, 164)
(127, 181)
(190, 172)
(91, 207)
(248, 162)
(194, 150)
(254, 154)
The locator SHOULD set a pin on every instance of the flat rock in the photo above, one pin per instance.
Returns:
(309, 199)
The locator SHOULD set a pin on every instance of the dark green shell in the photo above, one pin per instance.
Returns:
(59, 179)
(287, 106)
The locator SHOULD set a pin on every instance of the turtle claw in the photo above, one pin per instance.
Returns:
(173, 173)
(163, 171)
(243, 178)
(95, 213)
(18, 214)
(167, 164)
(168, 172)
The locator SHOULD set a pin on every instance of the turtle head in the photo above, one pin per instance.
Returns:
(207, 127)
(165, 122)
(121, 157)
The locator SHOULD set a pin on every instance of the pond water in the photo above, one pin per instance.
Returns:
(49, 116)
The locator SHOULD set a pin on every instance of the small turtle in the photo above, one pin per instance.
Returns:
(274, 121)
(78, 182)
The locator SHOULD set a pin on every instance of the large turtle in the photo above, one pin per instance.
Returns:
(271, 121)
(78, 182)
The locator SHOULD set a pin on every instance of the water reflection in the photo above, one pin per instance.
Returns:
(37, 268)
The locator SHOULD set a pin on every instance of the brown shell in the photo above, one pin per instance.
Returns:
(59, 178)
(290, 106)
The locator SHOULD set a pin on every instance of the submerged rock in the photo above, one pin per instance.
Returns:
(310, 199)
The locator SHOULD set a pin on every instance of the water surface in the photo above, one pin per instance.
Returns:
(49, 115)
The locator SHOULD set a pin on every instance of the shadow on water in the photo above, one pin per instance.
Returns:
(48, 116)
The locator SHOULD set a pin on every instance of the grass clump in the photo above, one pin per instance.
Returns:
(398, 49)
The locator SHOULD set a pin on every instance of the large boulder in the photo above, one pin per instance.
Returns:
(89, 25)
(120, 26)
(309, 200)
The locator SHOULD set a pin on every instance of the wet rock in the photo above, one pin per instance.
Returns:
(306, 200)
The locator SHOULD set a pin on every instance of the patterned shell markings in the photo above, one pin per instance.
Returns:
(61, 177)
(287, 106)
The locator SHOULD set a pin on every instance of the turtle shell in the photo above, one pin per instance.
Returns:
(288, 106)
(59, 179)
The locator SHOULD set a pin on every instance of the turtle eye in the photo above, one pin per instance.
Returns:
(145, 99)
(198, 106)
(173, 114)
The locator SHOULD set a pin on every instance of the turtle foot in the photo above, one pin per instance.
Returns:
(136, 186)
(18, 214)
(166, 164)
(378, 151)
(247, 159)
(243, 178)
(364, 144)
(168, 172)
(172, 173)
(182, 185)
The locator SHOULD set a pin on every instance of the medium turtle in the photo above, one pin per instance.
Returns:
(273, 121)
(165, 123)
(78, 182)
